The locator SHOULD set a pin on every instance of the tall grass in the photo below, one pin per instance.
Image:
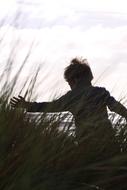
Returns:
(36, 155)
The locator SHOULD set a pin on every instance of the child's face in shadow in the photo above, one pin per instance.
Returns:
(73, 83)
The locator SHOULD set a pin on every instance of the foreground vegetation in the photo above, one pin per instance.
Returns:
(39, 155)
(36, 155)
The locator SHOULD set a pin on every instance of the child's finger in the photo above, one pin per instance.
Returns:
(12, 100)
(16, 99)
(13, 104)
(21, 98)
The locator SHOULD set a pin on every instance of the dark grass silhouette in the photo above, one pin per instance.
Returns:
(36, 154)
(88, 104)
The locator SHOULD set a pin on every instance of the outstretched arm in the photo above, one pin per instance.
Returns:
(113, 104)
(54, 106)
(117, 107)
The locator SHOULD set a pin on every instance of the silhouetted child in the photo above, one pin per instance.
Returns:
(87, 103)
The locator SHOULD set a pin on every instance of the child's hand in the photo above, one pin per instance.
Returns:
(18, 102)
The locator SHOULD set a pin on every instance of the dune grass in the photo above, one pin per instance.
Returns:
(37, 155)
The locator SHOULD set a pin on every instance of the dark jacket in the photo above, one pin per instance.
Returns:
(88, 104)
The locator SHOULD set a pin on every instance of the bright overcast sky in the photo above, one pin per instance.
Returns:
(62, 29)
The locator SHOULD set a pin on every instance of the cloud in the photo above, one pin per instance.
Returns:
(91, 5)
(45, 13)
(53, 47)
(6, 7)
(61, 30)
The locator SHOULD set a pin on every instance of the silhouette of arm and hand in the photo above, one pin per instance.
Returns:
(54, 106)
(65, 103)
(83, 99)
(118, 108)
(112, 103)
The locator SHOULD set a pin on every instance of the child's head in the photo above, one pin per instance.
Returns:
(78, 70)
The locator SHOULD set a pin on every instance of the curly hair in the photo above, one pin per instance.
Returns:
(78, 69)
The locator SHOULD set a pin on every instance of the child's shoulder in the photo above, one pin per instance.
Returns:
(100, 90)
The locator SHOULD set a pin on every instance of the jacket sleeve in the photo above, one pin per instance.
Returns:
(58, 105)
(115, 105)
